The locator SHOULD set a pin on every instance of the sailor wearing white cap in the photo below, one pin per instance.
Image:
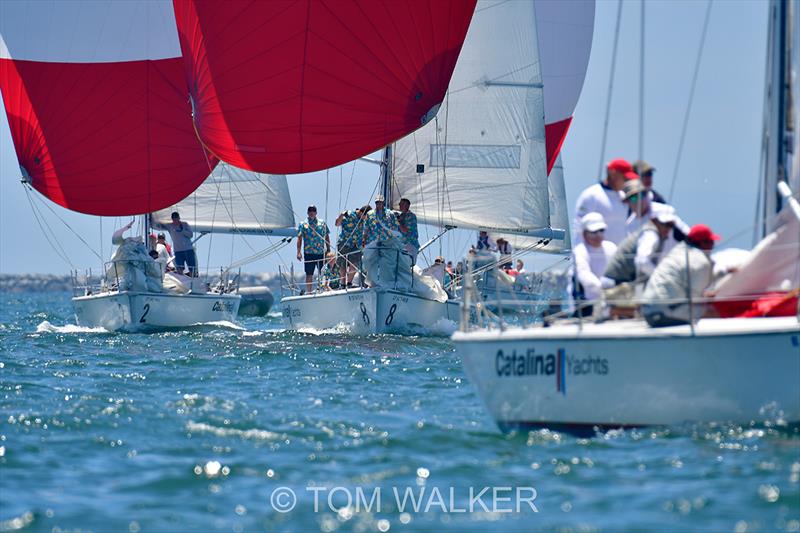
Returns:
(640, 252)
(591, 257)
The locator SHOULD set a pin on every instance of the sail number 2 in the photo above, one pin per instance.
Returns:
(146, 310)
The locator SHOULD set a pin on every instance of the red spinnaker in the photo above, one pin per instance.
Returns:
(112, 138)
(297, 86)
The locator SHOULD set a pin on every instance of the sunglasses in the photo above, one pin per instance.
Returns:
(633, 199)
(595, 232)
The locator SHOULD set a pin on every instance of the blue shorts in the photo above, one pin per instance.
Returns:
(187, 257)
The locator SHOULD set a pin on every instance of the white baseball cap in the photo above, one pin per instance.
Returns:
(593, 222)
(663, 213)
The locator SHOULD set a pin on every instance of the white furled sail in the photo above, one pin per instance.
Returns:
(780, 157)
(233, 200)
(481, 163)
(793, 175)
(558, 219)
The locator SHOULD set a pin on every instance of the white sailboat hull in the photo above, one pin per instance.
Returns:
(368, 311)
(626, 374)
(137, 311)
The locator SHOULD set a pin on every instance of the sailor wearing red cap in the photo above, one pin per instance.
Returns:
(605, 198)
(687, 271)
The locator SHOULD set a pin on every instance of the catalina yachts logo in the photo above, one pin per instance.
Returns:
(557, 365)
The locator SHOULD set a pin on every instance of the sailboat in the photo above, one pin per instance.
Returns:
(490, 161)
(581, 377)
(241, 202)
(125, 108)
(483, 162)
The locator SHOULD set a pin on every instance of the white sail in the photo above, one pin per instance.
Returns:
(481, 163)
(793, 177)
(232, 200)
(558, 219)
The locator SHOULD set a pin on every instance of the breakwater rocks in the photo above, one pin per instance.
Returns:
(17, 283)
(546, 283)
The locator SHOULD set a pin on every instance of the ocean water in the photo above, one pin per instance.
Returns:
(225, 427)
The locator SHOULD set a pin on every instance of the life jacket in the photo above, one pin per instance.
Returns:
(622, 267)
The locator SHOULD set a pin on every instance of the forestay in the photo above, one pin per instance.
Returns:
(233, 200)
(482, 164)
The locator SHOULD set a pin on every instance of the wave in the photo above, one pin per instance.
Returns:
(47, 327)
(220, 324)
(249, 434)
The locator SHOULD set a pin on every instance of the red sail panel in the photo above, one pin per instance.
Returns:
(97, 103)
(104, 138)
(298, 86)
(554, 135)
(116, 139)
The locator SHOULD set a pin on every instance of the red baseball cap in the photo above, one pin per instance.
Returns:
(631, 176)
(620, 165)
(701, 232)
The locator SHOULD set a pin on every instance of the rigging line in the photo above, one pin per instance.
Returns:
(419, 178)
(42, 225)
(102, 253)
(232, 182)
(327, 188)
(689, 104)
(350, 184)
(72, 230)
(341, 183)
(641, 82)
(269, 250)
(610, 90)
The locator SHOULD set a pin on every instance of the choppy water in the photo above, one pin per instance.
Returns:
(198, 430)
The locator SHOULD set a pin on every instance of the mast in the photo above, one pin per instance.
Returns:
(386, 175)
(778, 134)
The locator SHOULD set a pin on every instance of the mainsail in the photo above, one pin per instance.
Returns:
(558, 219)
(482, 164)
(96, 104)
(121, 107)
(233, 200)
(288, 86)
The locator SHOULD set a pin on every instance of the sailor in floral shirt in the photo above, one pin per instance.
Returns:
(314, 236)
(330, 274)
(384, 261)
(348, 246)
(407, 222)
(380, 223)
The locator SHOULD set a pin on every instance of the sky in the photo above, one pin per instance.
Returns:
(715, 182)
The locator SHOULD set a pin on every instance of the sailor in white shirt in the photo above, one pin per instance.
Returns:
(592, 255)
(605, 198)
